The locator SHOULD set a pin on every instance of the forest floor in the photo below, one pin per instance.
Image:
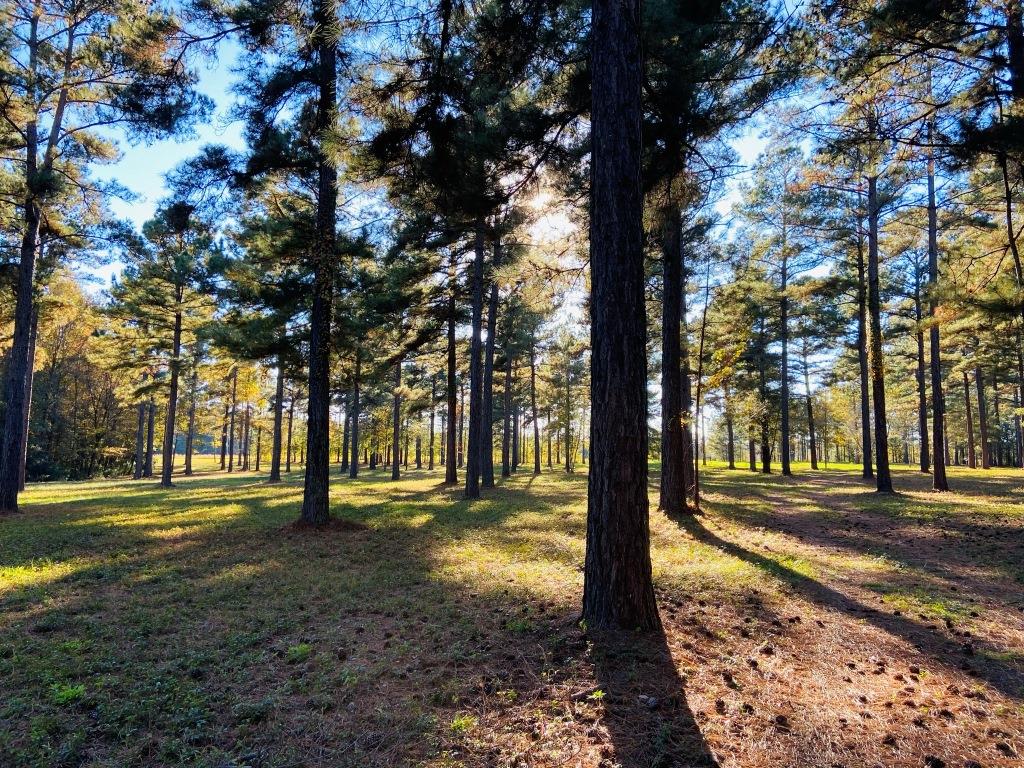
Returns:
(807, 622)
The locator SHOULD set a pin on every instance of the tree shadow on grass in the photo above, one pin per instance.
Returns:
(1005, 678)
(645, 707)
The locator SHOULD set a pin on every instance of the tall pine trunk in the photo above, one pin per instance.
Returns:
(450, 471)
(533, 402)
(172, 399)
(986, 451)
(922, 393)
(883, 480)
(396, 422)
(315, 496)
(862, 356)
(150, 437)
(346, 426)
(487, 427)
(190, 435)
(506, 431)
(433, 418)
(784, 365)
(673, 460)
(140, 443)
(972, 460)
(277, 441)
(476, 415)
(940, 451)
(231, 423)
(618, 591)
(31, 373)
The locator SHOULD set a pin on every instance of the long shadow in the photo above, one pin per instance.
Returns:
(645, 708)
(1007, 679)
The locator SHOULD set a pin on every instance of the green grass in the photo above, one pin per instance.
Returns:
(194, 627)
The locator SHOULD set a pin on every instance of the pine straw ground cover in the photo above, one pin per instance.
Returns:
(807, 622)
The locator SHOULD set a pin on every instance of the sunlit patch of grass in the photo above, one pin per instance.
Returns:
(918, 600)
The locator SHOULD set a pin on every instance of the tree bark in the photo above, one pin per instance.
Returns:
(315, 495)
(396, 422)
(190, 436)
(353, 467)
(922, 393)
(784, 365)
(433, 417)
(883, 480)
(450, 472)
(862, 357)
(231, 423)
(940, 452)
(673, 470)
(31, 374)
(172, 399)
(140, 443)
(618, 591)
(476, 415)
(533, 402)
(276, 443)
(972, 460)
(150, 437)
(986, 451)
(291, 420)
(487, 426)
(345, 434)
(506, 431)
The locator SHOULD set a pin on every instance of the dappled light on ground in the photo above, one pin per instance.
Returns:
(807, 622)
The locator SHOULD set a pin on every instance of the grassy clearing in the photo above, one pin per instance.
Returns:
(807, 622)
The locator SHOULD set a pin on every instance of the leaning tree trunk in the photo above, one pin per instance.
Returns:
(487, 427)
(450, 471)
(862, 357)
(16, 381)
(172, 399)
(618, 591)
(883, 480)
(315, 495)
(673, 460)
(23, 465)
(476, 416)
(396, 422)
(986, 457)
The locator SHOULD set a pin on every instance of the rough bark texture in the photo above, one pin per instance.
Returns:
(784, 367)
(618, 591)
(939, 451)
(883, 480)
(673, 470)
(315, 495)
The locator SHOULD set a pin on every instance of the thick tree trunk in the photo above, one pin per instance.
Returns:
(940, 453)
(172, 400)
(476, 415)
(315, 495)
(16, 381)
(31, 374)
(618, 591)
(862, 356)
(986, 451)
(487, 426)
(396, 422)
(883, 480)
(673, 469)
